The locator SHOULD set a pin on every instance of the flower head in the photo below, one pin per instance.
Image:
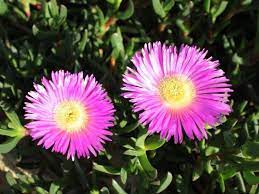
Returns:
(69, 113)
(176, 91)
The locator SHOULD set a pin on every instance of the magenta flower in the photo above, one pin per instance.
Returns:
(176, 91)
(69, 113)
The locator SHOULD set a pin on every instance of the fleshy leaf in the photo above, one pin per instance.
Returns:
(8, 145)
(165, 182)
(106, 169)
(154, 142)
(117, 187)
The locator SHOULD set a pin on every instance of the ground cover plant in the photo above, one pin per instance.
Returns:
(59, 39)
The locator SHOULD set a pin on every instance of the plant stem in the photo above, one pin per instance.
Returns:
(82, 177)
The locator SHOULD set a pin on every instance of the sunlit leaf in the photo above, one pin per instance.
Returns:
(53, 188)
(211, 150)
(3, 7)
(106, 169)
(123, 175)
(117, 187)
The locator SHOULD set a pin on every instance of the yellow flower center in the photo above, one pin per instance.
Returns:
(71, 116)
(177, 92)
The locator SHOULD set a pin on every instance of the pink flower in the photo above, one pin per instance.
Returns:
(69, 113)
(176, 91)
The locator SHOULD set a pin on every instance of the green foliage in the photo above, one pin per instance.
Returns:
(100, 37)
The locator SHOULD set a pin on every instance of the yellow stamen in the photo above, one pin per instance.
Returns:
(71, 116)
(177, 91)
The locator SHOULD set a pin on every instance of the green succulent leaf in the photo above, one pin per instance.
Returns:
(218, 10)
(165, 182)
(251, 178)
(221, 183)
(106, 169)
(117, 44)
(158, 8)
(154, 142)
(147, 167)
(126, 14)
(211, 150)
(54, 188)
(8, 145)
(123, 175)
(104, 190)
(117, 187)
(206, 5)
(3, 7)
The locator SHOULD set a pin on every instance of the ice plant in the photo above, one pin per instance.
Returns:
(69, 113)
(176, 90)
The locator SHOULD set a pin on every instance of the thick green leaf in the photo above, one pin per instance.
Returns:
(211, 150)
(253, 189)
(40, 190)
(241, 182)
(168, 5)
(10, 179)
(219, 10)
(158, 8)
(147, 167)
(83, 42)
(94, 191)
(62, 14)
(228, 172)
(111, 1)
(3, 7)
(53, 188)
(16, 128)
(123, 175)
(208, 167)
(165, 182)
(14, 119)
(53, 7)
(117, 4)
(206, 5)
(106, 169)
(123, 123)
(105, 190)
(8, 145)
(251, 178)
(137, 152)
(154, 142)
(129, 128)
(141, 138)
(117, 187)
(117, 44)
(123, 15)
(183, 27)
(8, 132)
(221, 183)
